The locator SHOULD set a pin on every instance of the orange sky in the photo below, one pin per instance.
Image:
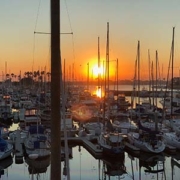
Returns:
(150, 22)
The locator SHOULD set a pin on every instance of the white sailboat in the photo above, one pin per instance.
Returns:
(147, 140)
(112, 143)
(5, 149)
(36, 143)
(122, 123)
(172, 139)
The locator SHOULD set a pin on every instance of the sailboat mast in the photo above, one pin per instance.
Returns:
(149, 64)
(172, 69)
(107, 56)
(99, 73)
(156, 74)
(138, 59)
(87, 76)
(107, 65)
(152, 75)
(117, 74)
(5, 70)
(55, 91)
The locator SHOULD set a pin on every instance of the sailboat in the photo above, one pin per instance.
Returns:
(110, 141)
(36, 144)
(172, 139)
(5, 149)
(4, 164)
(147, 140)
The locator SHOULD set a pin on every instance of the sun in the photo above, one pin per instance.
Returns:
(97, 71)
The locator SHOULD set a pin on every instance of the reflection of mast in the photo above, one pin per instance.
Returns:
(80, 160)
(66, 168)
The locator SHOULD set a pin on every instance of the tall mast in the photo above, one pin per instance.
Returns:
(87, 76)
(107, 61)
(172, 52)
(5, 70)
(55, 91)
(107, 56)
(152, 75)
(99, 74)
(149, 64)
(138, 59)
(156, 73)
(117, 75)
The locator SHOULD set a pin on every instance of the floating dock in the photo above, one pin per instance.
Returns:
(18, 148)
(93, 149)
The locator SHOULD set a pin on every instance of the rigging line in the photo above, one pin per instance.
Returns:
(73, 48)
(70, 28)
(34, 34)
(37, 15)
(33, 53)
(68, 15)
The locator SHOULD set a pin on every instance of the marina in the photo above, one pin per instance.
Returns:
(87, 161)
(93, 139)
(106, 113)
(83, 165)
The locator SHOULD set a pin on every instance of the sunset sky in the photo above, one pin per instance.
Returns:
(149, 21)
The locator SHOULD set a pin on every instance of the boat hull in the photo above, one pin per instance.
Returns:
(146, 146)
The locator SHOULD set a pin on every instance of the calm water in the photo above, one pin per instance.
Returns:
(83, 166)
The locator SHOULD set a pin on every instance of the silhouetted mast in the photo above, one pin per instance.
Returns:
(99, 73)
(55, 91)
(138, 60)
(156, 74)
(172, 86)
(107, 66)
(149, 65)
(87, 76)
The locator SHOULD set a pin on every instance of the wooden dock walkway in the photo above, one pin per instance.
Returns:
(18, 148)
(17, 143)
(90, 147)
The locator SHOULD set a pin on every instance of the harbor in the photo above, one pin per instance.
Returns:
(84, 148)
(88, 90)
(87, 165)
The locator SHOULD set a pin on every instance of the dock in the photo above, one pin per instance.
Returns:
(18, 148)
(92, 147)
(95, 150)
